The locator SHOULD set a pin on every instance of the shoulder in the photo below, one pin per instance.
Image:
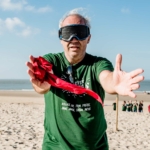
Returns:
(99, 63)
(96, 58)
(53, 57)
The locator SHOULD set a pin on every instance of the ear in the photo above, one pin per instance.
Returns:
(89, 37)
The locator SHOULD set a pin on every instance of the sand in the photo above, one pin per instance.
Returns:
(22, 115)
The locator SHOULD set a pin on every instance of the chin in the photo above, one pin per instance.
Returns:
(74, 57)
(75, 54)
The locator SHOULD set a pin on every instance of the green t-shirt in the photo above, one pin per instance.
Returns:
(135, 107)
(114, 106)
(75, 122)
(124, 107)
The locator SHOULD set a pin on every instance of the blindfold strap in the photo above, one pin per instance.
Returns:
(42, 70)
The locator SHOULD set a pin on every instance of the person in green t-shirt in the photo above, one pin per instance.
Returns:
(128, 106)
(135, 106)
(114, 106)
(77, 122)
(124, 106)
(131, 106)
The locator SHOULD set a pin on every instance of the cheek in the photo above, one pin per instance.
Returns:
(84, 43)
(64, 44)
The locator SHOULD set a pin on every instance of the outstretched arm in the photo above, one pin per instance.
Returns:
(39, 87)
(119, 81)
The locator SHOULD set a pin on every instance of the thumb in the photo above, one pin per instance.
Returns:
(118, 62)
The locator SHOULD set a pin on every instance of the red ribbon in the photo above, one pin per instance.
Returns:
(42, 70)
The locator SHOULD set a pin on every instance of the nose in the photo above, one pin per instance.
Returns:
(74, 39)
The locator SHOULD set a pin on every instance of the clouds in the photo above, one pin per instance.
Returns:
(18, 5)
(16, 26)
(8, 5)
(39, 10)
(11, 23)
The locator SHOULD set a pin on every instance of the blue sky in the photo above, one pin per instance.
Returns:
(30, 27)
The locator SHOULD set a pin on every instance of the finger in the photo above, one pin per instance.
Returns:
(31, 58)
(137, 79)
(118, 62)
(131, 94)
(30, 66)
(136, 72)
(135, 86)
(51, 72)
(35, 82)
(32, 76)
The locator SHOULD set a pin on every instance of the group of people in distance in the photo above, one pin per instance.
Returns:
(132, 107)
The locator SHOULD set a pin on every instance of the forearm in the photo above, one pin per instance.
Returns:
(106, 80)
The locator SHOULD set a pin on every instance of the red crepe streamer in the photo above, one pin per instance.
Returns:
(42, 70)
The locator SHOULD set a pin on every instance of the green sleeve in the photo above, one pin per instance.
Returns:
(102, 64)
(49, 57)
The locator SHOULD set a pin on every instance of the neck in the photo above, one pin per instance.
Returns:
(74, 60)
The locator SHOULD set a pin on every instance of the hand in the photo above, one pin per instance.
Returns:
(38, 85)
(125, 83)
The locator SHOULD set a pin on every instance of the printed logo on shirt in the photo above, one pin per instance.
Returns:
(79, 83)
(76, 107)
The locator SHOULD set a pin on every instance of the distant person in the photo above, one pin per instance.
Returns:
(135, 106)
(131, 106)
(142, 104)
(124, 106)
(149, 108)
(140, 107)
(114, 106)
(128, 107)
(77, 122)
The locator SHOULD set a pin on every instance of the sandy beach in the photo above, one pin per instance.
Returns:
(22, 115)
